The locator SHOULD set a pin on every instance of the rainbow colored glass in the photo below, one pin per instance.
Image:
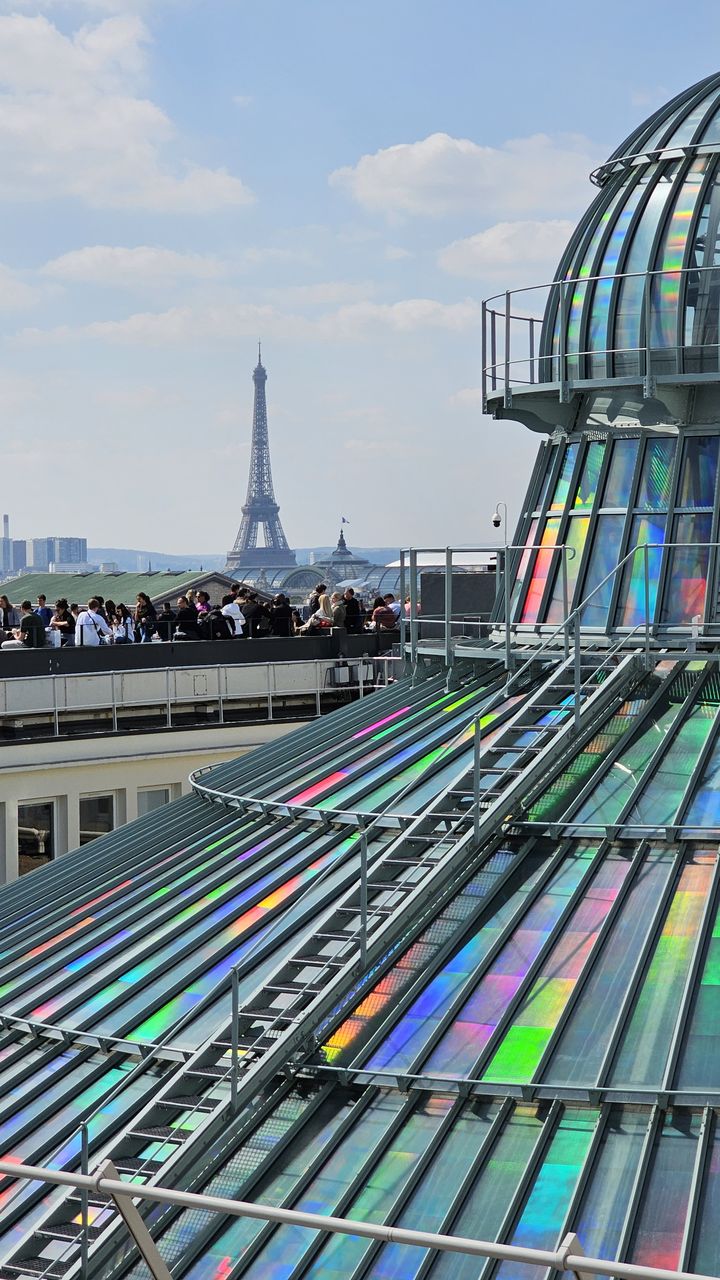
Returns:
(631, 603)
(665, 287)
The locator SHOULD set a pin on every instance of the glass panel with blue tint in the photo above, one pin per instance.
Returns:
(616, 490)
(604, 556)
(600, 301)
(704, 809)
(658, 1234)
(430, 1201)
(656, 474)
(686, 586)
(628, 321)
(486, 1205)
(476, 1021)
(631, 603)
(604, 1206)
(576, 298)
(341, 1254)
(542, 1219)
(517, 1057)
(562, 486)
(699, 471)
(648, 1034)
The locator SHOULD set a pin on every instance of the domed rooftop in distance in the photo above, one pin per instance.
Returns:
(636, 296)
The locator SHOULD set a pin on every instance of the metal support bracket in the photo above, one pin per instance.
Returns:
(135, 1225)
(571, 1247)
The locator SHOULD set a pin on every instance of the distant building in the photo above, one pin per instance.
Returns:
(19, 555)
(39, 552)
(70, 550)
(6, 547)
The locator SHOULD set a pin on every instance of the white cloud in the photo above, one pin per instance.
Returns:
(243, 99)
(394, 253)
(352, 322)
(72, 123)
(524, 244)
(114, 265)
(444, 175)
(15, 294)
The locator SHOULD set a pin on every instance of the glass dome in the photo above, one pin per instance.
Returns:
(641, 274)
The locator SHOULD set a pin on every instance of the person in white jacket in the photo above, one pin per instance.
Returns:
(91, 625)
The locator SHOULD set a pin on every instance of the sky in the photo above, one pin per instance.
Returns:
(345, 181)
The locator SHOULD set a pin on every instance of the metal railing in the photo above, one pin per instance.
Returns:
(124, 695)
(569, 1257)
(525, 331)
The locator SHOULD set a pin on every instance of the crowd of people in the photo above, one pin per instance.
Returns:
(240, 614)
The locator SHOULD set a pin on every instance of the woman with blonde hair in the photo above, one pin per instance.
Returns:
(321, 619)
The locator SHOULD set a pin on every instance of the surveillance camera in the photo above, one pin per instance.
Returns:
(496, 519)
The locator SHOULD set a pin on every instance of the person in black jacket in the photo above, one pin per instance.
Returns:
(281, 616)
(186, 620)
(353, 616)
(252, 612)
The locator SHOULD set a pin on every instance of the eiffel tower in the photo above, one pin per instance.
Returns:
(260, 507)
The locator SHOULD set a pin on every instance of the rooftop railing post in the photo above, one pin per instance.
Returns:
(493, 348)
(403, 593)
(84, 1203)
(508, 398)
(562, 336)
(114, 702)
(413, 608)
(566, 602)
(448, 608)
(647, 318)
(363, 898)
(235, 1039)
(532, 350)
(576, 668)
(168, 707)
(506, 575)
(647, 604)
(476, 779)
(483, 359)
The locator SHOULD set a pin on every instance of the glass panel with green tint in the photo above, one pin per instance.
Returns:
(541, 1221)
(699, 471)
(658, 1234)
(629, 316)
(704, 810)
(475, 1022)
(340, 1254)
(588, 483)
(579, 1052)
(705, 1257)
(615, 788)
(648, 1034)
(616, 491)
(434, 1194)
(523, 564)
(559, 795)
(686, 583)
(660, 797)
(604, 1205)
(665, 287)
(575, 541)
(286, 1244)
(631, 602)
(603, 558)
(699, 1066)
(519, 1053)
(486, 1204)
(562, 486)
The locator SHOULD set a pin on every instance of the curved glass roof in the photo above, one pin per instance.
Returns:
(640, 277)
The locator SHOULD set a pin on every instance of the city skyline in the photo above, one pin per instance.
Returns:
(181, 179)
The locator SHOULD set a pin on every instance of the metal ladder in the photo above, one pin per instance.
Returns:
(404, 888)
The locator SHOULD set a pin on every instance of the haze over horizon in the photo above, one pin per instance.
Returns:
(182, 177)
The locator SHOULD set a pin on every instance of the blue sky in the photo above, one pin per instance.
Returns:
(344, 180)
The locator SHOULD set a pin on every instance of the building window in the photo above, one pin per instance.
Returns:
(152, 799)
(97, 815)
(36, 835)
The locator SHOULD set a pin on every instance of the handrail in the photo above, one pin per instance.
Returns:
(585, 280)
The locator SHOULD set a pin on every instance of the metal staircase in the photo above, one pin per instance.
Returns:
(408, 878)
